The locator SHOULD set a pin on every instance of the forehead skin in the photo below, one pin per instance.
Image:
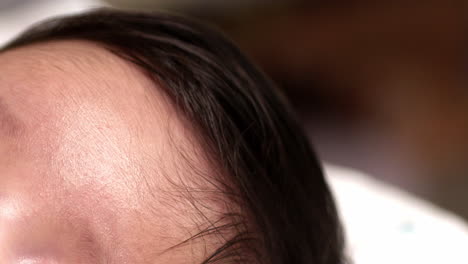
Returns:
(89, 154)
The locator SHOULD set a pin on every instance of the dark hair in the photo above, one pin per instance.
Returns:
(240, 113)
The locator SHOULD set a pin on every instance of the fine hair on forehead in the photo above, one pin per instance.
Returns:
(273, 176)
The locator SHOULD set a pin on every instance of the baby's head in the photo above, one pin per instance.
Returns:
(138, 138)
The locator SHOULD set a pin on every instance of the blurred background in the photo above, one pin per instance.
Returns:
(379, 85)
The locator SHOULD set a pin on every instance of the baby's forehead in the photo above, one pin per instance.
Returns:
(97, 140)
(51, 79)
(79, 107)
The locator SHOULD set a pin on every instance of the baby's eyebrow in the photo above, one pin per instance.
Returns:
(10, 125)
(91, 249)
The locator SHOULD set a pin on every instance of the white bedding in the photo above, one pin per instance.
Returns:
(388, 226)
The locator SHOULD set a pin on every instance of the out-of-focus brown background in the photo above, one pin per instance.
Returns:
(380, 85)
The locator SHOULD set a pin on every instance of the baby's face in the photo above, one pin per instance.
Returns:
(90, 161)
